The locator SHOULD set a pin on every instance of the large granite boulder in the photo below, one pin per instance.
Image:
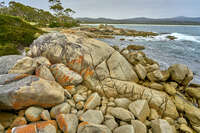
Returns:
(20, 90)
(7, 62)
(93, 59)
(104, 70)
(181, 74)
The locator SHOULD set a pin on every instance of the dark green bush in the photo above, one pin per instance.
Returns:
(54, 24)
(8, 49)
(68, 24)
(16, 33)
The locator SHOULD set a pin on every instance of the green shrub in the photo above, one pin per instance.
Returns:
(8, 49)
(54, 24)
(15, 30)
(68, 24)
(15, 33)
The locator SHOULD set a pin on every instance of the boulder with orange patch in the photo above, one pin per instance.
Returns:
(68, 123)
(65, 76)
(18, 91)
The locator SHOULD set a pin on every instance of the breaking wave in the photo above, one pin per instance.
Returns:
(164, 37)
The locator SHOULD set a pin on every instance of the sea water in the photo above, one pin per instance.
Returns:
(183, 50)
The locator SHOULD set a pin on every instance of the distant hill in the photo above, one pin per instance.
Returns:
(142, 20)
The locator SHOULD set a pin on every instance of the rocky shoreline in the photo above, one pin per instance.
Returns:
(69, 82)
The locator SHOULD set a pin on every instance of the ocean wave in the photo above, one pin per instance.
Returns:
(164, 37)
(185, 37)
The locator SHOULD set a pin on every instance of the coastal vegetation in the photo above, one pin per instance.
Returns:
(15, 34)
(39, 17)
(20, 24)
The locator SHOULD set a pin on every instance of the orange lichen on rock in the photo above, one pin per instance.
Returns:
(37, 72)
(33, 118)
(43, 124)
(18, 104)
(31, 128)
(62, 123)
(69, 87)
(21, 76)
(88, 101)
(79, 60)
(88, 73)
(19, 121)
(83, 124)
(8, 131)
(65, 79)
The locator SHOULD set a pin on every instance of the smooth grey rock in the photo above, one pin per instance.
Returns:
(111, 124)
(139, 126)
(20, 90)
(125, 129)
(45, 115)
(141, 71)
(63, 108)
(140, 109)
(93, 101)
(33, 113)
(25, 65)
(121, 114)
(122, 102)
(161, 126)
(181, 74)
(7, 62)
(86, 127)
(92, 116)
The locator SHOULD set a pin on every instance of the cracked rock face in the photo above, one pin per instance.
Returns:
(93, 59)
(104, 70)
(20, 90)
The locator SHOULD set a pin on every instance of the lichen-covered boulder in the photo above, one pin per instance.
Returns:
(93, 59)
(39, 127)
(68, 123)
(65, 76)
(20, 90)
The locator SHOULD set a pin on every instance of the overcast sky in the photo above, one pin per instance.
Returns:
(125, 8)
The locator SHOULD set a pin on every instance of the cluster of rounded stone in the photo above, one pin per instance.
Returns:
(60, 89)
(88, 115)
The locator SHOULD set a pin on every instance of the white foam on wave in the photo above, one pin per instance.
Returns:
(163, 37)
(184, 37)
